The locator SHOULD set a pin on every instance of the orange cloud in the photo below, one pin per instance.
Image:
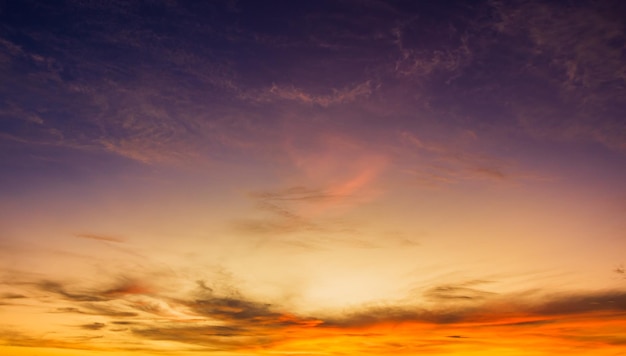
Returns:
(344, 167)
(458, 319)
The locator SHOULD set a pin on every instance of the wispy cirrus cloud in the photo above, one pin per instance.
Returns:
(439, 164)
(418, 63)
(297, 193)
(291, 217)
(577, 52)
(98, 310)
(100, 237)
(123, 287)
(334, 175)
(337, 96)
(462, 291)
(126, 114)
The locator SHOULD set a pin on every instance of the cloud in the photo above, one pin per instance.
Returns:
(290, 93)
(117, 322)
(118, 107)
(287, 211)
(441, 52)
(16, 338)
(456, 292)
(100, 237)
(530, 323)
(451, 306)
(58, 288)
(346, 166)
(230, 309)
(214, 316)
(126, 286)
(297, 193)
(439, 164)
(120, 289)
(98, 309)
(217, 338)
(580, 39)
(226, 322)
(281, 220)
(93, 326)
(416, 63)
(298, 217)
(568, 304)
(575, 72)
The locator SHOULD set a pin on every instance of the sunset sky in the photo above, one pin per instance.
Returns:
(345, 177)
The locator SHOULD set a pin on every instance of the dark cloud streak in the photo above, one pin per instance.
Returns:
(100, 237)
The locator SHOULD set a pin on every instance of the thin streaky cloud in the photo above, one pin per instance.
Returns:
(93, 326)
(101, 237)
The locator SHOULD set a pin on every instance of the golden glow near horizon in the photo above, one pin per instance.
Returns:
(312, 178)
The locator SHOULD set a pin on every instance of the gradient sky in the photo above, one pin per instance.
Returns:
(347, 177)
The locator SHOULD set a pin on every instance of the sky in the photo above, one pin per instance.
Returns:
(346, 177)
